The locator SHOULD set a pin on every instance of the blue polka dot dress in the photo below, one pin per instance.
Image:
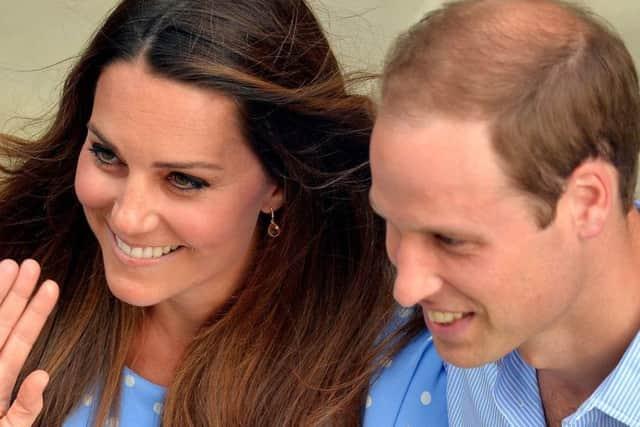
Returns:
(410, 391)
(140, 406)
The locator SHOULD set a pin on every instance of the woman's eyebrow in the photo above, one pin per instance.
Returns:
(162, 165)
(105, 141)
(187, 165)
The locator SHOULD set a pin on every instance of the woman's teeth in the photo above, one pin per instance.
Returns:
(144, 252)
(444, 317)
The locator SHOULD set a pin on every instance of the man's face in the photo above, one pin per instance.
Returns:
(466, 244)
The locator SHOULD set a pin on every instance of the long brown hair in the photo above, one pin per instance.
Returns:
(296, 345)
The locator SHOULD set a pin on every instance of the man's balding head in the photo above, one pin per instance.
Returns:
(556, 84)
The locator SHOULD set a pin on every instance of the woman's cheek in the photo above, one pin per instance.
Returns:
(92, 186)
(220, 221)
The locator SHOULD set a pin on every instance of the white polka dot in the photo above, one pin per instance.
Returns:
(405, 312)
(157, 408)
(87, 400)
(129, 381)
(369, 401)
(425, 398)
(111, 422)
(388, 363)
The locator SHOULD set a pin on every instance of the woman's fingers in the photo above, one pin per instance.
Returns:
(8, 272)
(21, 320)
(19, 288)
(25, 332)
(28, 404)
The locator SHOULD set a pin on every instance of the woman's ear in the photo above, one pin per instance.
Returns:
(590, 189)
(273, 200)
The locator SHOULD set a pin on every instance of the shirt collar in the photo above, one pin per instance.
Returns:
(617, 395)
(515, 391)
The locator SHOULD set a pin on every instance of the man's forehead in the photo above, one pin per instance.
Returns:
(443, 212)
(434, 143)
(405, 115)
(442, 160)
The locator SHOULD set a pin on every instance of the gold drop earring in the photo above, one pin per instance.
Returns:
(274, 229)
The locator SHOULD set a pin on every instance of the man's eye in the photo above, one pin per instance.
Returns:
(103, 154)
(186, 182)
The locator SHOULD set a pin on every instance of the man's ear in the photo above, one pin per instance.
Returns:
(589, 193)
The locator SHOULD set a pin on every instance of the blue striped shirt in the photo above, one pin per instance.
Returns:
(506, 394)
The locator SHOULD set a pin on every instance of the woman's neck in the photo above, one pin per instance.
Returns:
(160, 343)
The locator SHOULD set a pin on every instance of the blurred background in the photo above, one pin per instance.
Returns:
(39, 39)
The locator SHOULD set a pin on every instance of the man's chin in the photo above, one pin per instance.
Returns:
(464, 356)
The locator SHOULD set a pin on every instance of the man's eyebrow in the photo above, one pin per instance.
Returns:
(432, 229)
(161, 165)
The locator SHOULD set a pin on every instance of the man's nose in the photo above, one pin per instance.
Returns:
(417, 276)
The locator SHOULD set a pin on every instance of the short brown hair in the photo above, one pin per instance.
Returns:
(555, 82)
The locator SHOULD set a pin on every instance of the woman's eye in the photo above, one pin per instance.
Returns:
(449, 241)
(186, 182)
(103, 154)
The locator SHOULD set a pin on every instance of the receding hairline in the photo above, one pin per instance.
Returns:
(501, 27)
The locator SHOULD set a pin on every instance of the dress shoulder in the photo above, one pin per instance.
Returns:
(410, 390)
(141, 405)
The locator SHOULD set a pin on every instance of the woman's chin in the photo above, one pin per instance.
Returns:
(131, 294)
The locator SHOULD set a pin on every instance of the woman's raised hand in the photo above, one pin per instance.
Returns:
(21, 320)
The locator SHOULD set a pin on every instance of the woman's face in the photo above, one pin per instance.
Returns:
(170, 188)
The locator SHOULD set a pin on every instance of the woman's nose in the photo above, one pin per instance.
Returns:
(134, 211)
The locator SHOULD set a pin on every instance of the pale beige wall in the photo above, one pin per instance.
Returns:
(361, 30)
(38, 33)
